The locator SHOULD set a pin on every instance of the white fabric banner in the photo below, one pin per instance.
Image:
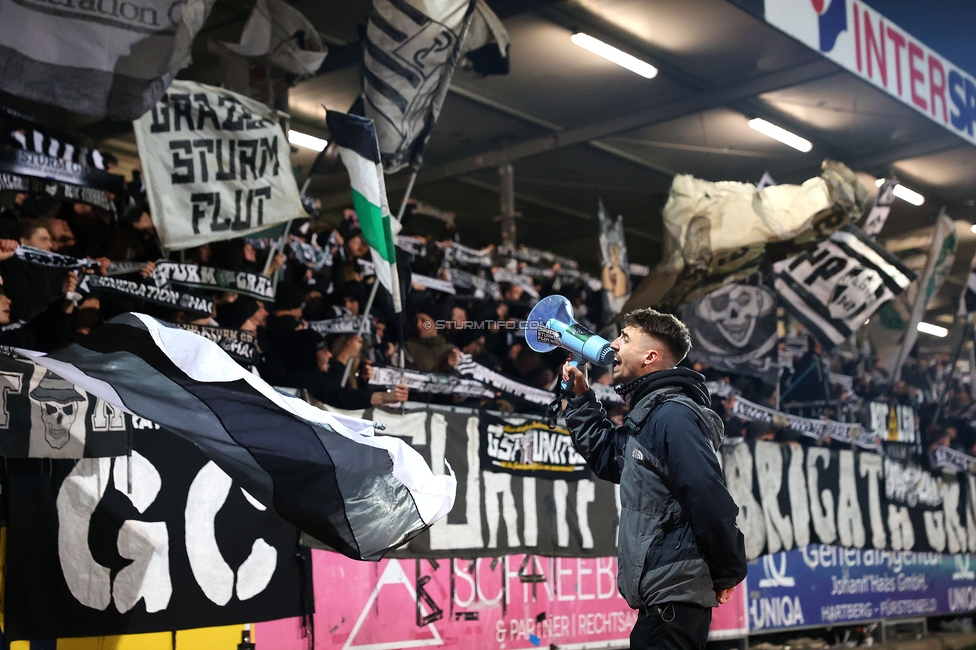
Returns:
(106, 59)
(216, 166)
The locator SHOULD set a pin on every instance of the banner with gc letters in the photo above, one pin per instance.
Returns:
(160, 541)
(514, 473)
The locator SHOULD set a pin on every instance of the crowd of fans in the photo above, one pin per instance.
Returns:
(41, 309)
(840, 384)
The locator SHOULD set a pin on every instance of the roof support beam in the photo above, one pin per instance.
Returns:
(697, 103)
(541, 203)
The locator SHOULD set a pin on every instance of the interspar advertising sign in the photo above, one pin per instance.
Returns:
(511, 602)
(821, 585)
(866, 43)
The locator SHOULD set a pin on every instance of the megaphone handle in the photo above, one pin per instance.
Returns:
(574, 363)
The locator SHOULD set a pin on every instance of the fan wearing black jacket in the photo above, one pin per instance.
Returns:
(680, 552)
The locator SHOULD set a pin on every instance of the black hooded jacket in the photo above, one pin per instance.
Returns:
(678, 540)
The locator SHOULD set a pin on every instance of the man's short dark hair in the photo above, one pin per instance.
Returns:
(664, 327)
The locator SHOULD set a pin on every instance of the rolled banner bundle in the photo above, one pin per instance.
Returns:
(326, 474)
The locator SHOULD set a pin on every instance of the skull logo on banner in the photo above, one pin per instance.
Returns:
(734, 310)
(734, 328)
(55, 407)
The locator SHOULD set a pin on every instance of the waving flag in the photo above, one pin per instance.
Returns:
(355, 137)
(325, 474)
(412, 49)
(99, 59)
(613, 257)
(833, 289)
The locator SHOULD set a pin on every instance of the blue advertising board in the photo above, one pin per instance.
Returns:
(820, 585)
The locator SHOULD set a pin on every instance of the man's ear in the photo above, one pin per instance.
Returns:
(652, 356)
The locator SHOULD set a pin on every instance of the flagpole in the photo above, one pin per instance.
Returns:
(967, 334)
(406, 195)
(376, 286)
(403, 314)
(284, 235)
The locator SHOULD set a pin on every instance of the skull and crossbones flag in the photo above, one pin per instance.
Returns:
(326, 474)
(733, 329)
(835, 288)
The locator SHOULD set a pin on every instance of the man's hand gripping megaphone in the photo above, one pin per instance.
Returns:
(550, 325)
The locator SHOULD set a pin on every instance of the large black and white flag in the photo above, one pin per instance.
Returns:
(216, 166)
(734, 329)
(833, 289)
(361, 494)
(104, 59)
(412, 49)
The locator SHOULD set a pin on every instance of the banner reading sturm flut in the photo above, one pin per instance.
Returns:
(184, 548)
(216, 166)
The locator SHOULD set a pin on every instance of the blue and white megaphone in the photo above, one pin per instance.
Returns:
(551, 325)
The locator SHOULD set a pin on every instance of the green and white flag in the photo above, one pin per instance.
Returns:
(355, 137)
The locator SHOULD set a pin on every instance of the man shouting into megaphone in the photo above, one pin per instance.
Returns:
(679, 549)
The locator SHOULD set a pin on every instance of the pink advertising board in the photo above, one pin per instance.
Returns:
(505, 603)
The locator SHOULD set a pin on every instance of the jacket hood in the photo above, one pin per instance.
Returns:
(687, 380)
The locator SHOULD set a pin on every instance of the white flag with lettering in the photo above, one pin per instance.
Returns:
(216, 166)
(108, 59)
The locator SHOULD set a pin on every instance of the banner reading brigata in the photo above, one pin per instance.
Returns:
(216, 166)
(866, 43)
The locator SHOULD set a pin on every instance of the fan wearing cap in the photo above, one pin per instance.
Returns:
(59, 402)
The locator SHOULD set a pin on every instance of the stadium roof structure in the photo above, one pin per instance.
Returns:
(577, 127)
